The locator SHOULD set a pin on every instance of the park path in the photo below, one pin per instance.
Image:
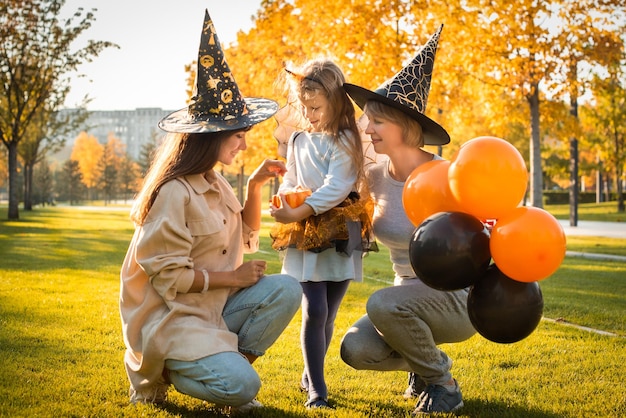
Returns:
(595, 229)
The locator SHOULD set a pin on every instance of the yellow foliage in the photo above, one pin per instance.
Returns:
(490, 60)
(87, 151)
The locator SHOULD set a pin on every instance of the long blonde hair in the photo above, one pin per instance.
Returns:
(324, 76)
(179, 155)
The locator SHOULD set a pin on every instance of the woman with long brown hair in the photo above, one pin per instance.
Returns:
(194, 314)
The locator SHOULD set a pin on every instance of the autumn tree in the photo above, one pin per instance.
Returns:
(528, 49)
(146, 154)
(109, 166)
(69, 182)
(87, 152)
(557, 127)
(128, 177)
(43, 184)
(511, 48)
(3, 167)
(47, 133)
(36, 57)
(362, 36)
(371, 41)
(496, 62)
(606, 127)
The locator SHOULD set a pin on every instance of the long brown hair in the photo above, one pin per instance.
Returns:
(179, 155)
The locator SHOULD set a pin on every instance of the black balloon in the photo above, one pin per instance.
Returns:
(504, 310)
(450, 250)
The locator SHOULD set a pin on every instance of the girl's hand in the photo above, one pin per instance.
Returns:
(286, 214)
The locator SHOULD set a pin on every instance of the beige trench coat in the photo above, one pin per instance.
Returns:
(193, 224)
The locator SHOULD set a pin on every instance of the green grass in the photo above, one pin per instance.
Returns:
(604, 212)
(61, 345)
(613, 246)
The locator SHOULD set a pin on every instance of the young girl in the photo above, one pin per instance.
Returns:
(321, 239)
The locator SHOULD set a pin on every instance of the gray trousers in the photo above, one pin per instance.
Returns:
(402, 328)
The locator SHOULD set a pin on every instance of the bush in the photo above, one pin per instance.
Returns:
(561, 197)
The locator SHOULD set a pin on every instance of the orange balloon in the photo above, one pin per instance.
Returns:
(426, 192)
(488, 177)
(527, 244)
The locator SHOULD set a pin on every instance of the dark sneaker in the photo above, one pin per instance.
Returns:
(415, 388)
(437, 398)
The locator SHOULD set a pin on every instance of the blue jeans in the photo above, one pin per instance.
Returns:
(402, 328)
(258, 315)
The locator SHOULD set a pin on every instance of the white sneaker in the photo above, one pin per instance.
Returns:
(245, 408)
(156, 394)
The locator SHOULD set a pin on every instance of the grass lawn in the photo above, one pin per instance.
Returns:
(61, 345)
(604, 212)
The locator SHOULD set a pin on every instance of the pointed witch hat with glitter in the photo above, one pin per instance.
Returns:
(408, 91)
(217, 104)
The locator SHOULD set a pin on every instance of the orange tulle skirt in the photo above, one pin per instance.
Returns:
(346, 227)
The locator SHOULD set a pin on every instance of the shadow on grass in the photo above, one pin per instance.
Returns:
(493, 409)
(32, 247)
(212, 412)
(471, 408)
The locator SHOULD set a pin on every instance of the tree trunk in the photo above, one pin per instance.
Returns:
(618, 169)
(14, 212)
(573, 188)
(620, 192)
(28, 186)
(599, 182)
(536, 172)
(574, 178)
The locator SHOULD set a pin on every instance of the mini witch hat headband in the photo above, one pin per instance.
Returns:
(217, 103)
(408, 91)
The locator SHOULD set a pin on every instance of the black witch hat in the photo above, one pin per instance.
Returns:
(408, 91)
(217, 103)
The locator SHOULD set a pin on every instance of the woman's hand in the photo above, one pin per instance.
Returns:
(246, 275)
(268, 170)
(249, 273)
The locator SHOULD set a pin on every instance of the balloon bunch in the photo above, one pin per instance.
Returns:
(472, 231)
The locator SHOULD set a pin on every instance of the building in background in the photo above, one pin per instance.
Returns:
(134, 128)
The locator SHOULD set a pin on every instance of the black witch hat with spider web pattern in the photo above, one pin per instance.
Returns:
(408, 91)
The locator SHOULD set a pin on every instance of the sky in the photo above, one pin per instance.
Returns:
(157, 39)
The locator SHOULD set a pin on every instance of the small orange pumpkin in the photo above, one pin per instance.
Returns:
(276, 200)
(297, 196)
